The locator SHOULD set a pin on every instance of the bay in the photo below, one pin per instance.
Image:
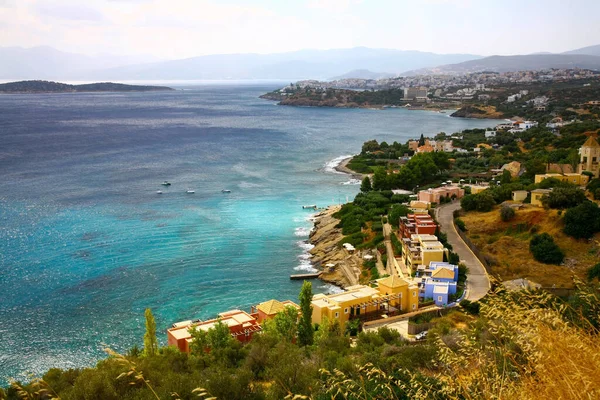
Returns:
(86, 243)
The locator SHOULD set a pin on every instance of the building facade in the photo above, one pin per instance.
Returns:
(589, 157)
(392, 296)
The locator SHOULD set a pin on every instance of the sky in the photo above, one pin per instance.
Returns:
(172, 29)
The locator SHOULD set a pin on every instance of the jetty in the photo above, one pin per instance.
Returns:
(312, 275)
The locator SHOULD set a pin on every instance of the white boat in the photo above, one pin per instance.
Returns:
(225, 191)
(190, 191)
(310, 206)
(166, 183)
(159, 192)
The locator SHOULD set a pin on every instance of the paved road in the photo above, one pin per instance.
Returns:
(478, 282)
(392, 263)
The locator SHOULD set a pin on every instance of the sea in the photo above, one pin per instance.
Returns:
(87, 243)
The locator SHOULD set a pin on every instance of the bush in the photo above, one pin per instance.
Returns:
(594, 272)
(545, 250)
(483, 201)
(582, 221)
(564, 197)
(507, 213)
(460, 224)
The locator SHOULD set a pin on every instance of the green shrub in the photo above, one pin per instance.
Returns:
(507, 213)
(460, 224)
(582, 221)
(545, 250)
(594, 272)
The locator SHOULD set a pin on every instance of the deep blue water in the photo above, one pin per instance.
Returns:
(86, 243)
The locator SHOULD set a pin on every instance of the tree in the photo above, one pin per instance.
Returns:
(397, 211)
(150, 341)
(506, 177)
(564, 197)
(365, 186)
(285, 324)
(216, 338)
(305, 328)
(507, 213)
(422, 140)
(380, 179)
(582, 221)
(545, 250)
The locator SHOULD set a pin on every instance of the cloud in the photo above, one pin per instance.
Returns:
(72, 12)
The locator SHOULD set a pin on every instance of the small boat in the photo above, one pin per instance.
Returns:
(159, 192)
(190, 191)
(225, 191)
(165, 183)
(314, 206)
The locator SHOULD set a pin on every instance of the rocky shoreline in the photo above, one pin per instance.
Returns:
(325, 237)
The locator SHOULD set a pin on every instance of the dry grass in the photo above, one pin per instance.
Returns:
(523, 348)
(507, 245)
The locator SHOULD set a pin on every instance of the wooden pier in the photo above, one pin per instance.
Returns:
(312, 275)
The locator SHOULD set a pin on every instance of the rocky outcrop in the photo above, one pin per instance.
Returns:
(481, 112)
(325, 237)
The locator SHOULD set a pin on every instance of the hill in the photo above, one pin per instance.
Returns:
(48, 63)
(362, 74)
(515, 63)
(57, 87)
(45, 62)
(589, 50)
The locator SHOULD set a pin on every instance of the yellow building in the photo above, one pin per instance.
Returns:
(519, 195)
(536, 196)
(589, 159)
(475, 189)
(392, 296)
(575, 179)
(421, 249)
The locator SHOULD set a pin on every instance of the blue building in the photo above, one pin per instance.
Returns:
(437, 281)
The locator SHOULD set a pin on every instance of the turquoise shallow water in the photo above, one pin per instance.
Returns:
(86, 244)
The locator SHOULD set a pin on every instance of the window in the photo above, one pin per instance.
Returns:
(346, 310)
(440, 298)
(337, 314)
(414, 294)
(414, 306)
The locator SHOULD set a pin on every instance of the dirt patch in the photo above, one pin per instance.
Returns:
(506, 245)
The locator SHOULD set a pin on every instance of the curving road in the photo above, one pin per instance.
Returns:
(478, 281)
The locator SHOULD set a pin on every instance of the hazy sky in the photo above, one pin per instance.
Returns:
(185, 28)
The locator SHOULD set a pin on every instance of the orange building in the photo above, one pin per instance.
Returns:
(416, 224)
(242, 327)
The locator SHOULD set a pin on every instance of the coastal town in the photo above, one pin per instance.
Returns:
(417, 258)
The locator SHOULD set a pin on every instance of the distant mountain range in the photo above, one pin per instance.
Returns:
(45, 62)
(586, 57)
(48, 63)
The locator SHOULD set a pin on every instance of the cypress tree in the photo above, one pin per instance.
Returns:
(305, 327)
(366, 185)
(150, 341)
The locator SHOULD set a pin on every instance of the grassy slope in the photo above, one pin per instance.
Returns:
(508, 246)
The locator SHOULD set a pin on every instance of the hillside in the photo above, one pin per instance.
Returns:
(362, 74)
(589, 50)
(506, 246)
(515, 63)
(57, 87)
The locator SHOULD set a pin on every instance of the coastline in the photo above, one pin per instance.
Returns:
(343, 168)
(325, 237)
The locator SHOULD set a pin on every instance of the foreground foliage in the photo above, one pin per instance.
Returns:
(515, 347)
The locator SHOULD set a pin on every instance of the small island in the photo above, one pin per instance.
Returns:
(37, 86)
